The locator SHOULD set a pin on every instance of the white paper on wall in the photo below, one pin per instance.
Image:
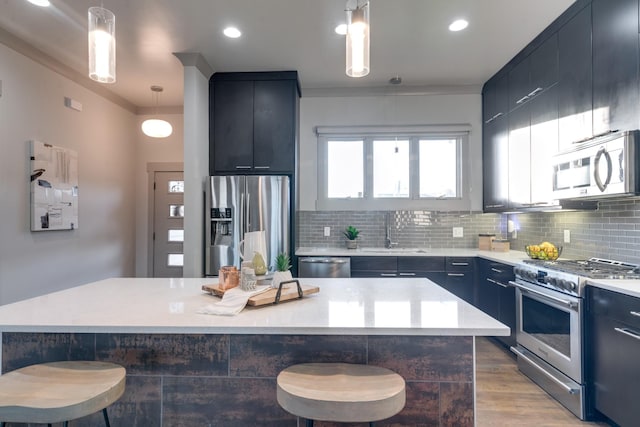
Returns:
(54, 187)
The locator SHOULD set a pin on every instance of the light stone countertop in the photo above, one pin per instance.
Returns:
(510, 257)
(380, 306)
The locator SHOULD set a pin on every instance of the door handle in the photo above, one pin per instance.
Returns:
(388, 275)
(596, 173)
(460, 263)
(243, 167)
(535, 92)
(521, 100)
(455, 274)
(262, 167)
(634, 313)
(524, 289)
(407, 274)
(495, 270)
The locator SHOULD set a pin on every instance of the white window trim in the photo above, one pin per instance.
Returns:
(367, 133)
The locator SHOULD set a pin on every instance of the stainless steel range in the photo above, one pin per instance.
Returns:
(550, 319)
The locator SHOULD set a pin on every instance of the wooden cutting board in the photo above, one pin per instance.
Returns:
(267, 297)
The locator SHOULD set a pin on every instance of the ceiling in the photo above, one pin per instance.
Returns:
(409, 38)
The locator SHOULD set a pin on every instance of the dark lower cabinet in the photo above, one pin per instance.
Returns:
(613, 333)
(496, 297)
(460, 277)
(374, 266)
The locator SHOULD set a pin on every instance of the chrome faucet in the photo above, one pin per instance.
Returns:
(387, 232)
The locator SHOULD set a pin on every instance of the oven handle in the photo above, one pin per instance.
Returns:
(569, 304)
(568, 389)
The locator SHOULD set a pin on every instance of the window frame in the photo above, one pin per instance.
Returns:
(414, 134)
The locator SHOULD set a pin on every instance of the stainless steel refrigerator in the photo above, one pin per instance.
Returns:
(242, 203)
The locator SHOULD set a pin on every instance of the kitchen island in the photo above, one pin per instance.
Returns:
(190, 369)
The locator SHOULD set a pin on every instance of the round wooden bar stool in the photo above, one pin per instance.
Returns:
(59, 391)
(340, 392)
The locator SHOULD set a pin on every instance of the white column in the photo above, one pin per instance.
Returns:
(196, 158)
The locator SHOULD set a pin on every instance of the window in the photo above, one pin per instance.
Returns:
(392, 170)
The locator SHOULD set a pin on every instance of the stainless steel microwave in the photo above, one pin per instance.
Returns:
(601, 167)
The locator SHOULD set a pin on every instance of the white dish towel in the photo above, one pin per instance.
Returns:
(233, 301)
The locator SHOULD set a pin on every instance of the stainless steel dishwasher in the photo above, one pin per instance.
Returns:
(324, 267)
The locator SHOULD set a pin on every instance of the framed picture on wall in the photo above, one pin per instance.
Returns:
(54, 187)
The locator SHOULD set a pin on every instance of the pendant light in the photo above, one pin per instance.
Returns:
(357, 38)
(102, 45)
(157, 128)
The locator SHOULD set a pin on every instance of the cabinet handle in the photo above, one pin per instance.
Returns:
(455, 274)
(262, 167)
(490, 280)
(521, 100)
(243, 167)
(460, 263)
(535, 92)
(500, 284)
(407, 274)
(494, 206)
(628, 332)
(387, 274)
(634, 313)
(495, 270)
(493, 118)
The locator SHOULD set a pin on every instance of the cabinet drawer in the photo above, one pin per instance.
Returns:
(460, 264)
(501, 273)
(615, 305)
(374, 263)
(409, 264)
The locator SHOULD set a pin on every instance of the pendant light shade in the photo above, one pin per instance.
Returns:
(357, 38)
(102, 45)
(157, 128)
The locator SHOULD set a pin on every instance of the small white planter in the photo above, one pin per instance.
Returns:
(352, 244)
(280, 276)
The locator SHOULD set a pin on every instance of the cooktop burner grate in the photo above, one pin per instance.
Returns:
(594, 268)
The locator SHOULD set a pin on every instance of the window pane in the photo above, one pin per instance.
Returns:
(438, 168)
(345, 169)
(176, 186)
(176, 235)
(176, 210)
(390, 168)
(175, 260)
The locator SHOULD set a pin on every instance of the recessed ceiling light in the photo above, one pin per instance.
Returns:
(232, 32)
(458, 25)
(41, 3)
(341, 29)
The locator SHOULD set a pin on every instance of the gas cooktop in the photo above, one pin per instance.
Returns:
(593, 268)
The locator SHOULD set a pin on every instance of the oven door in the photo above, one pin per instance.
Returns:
(549, 325)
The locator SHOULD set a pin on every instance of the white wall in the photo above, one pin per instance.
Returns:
(152, 150)
(386, 110)
(32, 107)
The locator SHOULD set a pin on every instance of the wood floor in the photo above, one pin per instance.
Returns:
(505, 397)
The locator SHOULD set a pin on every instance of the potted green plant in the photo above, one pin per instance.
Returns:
(282, 273)
(351, 233)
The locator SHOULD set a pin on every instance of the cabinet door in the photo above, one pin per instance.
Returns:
(519, 86)
(543, 66)
(232, 127)
(495, 98)
(495, 165)
(615, 65)
(460, 284)
(374, 266)
(616, 373)
(487, 292)
(544, 144)
(507, 312)
(575, 82)
(519, 157)
(274, 125)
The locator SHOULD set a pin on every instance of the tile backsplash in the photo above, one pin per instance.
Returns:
(611, 232)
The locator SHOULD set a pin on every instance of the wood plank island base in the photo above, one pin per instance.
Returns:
(187, 369)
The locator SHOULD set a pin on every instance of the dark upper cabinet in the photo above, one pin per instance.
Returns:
(253, 121)
(495, 165)
(615, 65)
(519, 157)
(544, 144)
(534, 74)
(575, 79)
(495, 101)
